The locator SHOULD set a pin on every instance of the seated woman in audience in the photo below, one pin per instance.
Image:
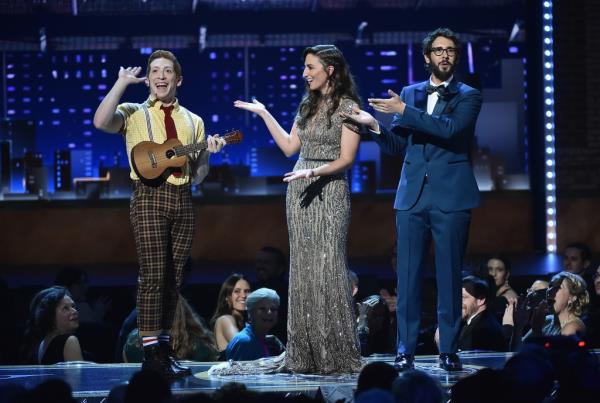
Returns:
(559, 314)
(190, 338)
(593, 317)
(499, 268)
(228, 319)
(53, 319)
(254, 341)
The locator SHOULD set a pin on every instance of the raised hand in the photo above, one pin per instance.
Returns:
(254, 106)
(361, 117)
(394, 104)
(130, 75)
(390, 299)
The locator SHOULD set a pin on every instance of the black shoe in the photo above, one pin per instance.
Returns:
(450, 362)
(404, 361)
(167, 350)
(155, 360)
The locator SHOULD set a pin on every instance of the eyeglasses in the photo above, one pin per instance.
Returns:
(440, 51)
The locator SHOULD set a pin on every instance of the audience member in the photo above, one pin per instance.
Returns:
(499, 268)
(190, 338)
(271, 266)
(592, 319)
(117, 393)
(538, 285)
(480, 330)
(129, 324)
(560, 314)
(374, 327)
(228, 318)
(417, 386)
(528, 376)
(374, 395)
(577, 259)
(49, 337)
(484, 386)
(94, 332)
(252, 342)
(354, 282)
(234, 392)
(149, 387)
(377, 374)
(51, 391)
(76, 281)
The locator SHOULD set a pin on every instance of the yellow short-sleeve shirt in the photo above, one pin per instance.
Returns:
(135, 130)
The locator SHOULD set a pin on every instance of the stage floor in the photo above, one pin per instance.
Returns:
(92, 382)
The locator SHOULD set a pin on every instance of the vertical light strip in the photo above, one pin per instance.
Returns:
(549, 132)
(409, 55)
(470, 57)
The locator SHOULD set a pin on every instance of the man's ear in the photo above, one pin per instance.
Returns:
(179, 81)
(147, 82)
(427, 59)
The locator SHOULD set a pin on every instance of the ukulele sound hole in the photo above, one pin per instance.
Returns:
(170, 154)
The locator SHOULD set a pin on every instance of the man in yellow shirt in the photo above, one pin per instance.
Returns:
(162, 216)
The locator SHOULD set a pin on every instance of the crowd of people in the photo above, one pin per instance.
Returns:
(559, 304)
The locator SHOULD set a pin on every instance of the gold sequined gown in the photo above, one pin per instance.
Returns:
(321, 326)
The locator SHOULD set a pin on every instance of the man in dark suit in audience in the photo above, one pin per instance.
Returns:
(480, 329)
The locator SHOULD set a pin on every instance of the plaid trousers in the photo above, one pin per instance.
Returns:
(163, 226)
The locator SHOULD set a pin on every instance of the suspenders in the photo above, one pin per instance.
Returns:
(189, 119)
(149, 122)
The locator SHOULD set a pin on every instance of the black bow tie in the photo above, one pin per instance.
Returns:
(440, 89)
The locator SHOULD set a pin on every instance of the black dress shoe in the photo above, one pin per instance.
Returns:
(167, 350)
(450, 362)
(156, 360)
(404, 361)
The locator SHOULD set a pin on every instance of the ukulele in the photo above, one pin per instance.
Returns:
(153, 162)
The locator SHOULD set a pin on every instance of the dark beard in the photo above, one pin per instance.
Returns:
(441, 75)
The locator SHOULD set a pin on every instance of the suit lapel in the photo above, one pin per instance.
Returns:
(451, 91)
(439, 106)
(421, 97)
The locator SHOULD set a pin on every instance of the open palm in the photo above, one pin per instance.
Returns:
(130, 75)
(254, 106)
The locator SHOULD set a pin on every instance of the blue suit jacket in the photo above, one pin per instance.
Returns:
(436, 145)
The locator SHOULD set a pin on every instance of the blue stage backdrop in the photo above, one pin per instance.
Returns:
(48, 139)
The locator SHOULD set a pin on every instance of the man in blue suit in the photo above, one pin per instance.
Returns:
(433, 125)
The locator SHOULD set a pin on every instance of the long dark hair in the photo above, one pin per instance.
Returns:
(341, 82)
(186, 324)
(42, 319)
(223, 306)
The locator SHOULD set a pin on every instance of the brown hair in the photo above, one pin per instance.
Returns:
(187, 324)
(341, 81)
(157, 54)
(577, 288)
(223, 305)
